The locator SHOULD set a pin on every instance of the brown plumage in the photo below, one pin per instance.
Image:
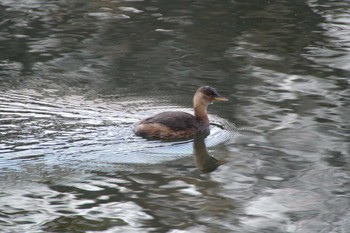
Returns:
(180, 125)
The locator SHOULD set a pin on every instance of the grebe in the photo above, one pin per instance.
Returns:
(180, 125)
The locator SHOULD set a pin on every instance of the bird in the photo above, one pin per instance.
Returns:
(177, 125)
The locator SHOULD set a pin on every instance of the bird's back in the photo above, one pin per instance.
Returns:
(170, 125)
(173, 120)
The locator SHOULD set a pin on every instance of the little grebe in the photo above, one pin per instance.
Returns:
(180, 125)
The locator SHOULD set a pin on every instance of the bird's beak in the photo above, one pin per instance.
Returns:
(220, 98)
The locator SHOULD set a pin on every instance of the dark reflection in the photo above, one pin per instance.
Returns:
(203, 161)
(80, 224)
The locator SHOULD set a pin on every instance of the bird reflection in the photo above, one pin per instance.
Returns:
(203, 161)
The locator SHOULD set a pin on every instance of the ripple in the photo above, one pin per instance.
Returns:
(74, 131)
(334, 51)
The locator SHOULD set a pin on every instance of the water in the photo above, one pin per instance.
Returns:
(76, 75)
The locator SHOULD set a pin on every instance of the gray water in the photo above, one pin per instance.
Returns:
(75, 76)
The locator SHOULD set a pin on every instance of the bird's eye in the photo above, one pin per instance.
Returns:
(213, 92)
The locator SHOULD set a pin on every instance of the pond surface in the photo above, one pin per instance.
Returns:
(75, 76)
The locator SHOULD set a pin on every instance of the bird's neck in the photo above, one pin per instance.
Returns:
(200, 110)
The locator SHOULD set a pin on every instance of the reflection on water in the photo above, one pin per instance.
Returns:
(202, 159)
(76, 75)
